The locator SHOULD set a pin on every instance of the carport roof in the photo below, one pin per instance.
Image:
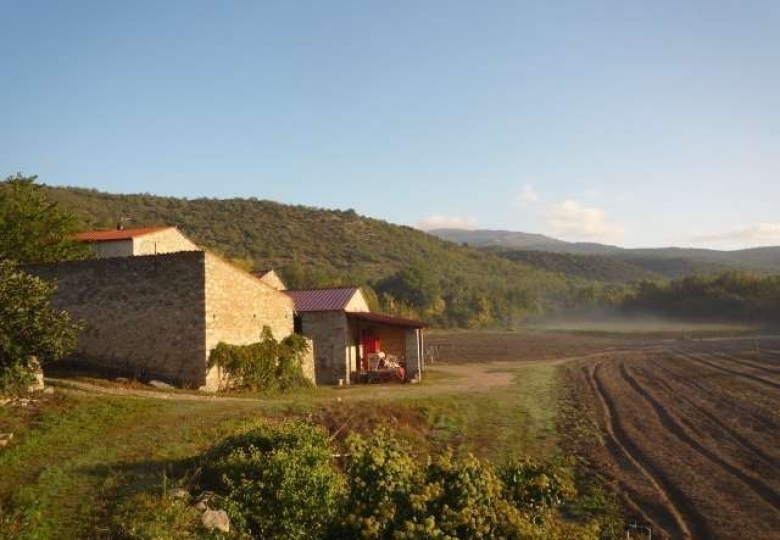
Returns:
(322, 299)
(383, 318)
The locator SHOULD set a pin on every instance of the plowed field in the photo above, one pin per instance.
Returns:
(691, 435)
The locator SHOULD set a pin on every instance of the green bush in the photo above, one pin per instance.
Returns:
(383, 477)
(268, 365)
(29, 326)
(395, 496)
(537, 486)
(277, 482)
(282, 482)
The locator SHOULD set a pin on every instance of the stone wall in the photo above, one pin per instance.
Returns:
(169, 240)
(143, 315)
(159, 316)
(357, 303)
(272, 278)
(239, 305)
(329, 330)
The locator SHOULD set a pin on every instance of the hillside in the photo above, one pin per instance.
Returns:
(413, 272)
(499, 239)
(670, 262)
(590, 267)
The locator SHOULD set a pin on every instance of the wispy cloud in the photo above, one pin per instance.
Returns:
(446, 222)
(527, 197)
(757, 233)
(573, 220)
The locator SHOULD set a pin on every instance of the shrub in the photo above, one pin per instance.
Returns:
(29, 327)
(277, 481)
(537, 486)
(268, 365)
(463, 498)
(281, 482)
(383, 477)
(394, 496)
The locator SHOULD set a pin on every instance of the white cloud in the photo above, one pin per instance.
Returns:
(573, 220)
(526, 197)
(446, 222)
(760, 232)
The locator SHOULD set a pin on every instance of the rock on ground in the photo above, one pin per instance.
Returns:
(216, 519)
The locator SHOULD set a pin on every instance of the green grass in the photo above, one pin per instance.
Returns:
(63, 476)
(514, 421)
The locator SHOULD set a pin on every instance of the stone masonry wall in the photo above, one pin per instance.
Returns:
(328, 329)
(238, 305)
(165, 241)
(357, 303)
(272, 278)
(143, 315)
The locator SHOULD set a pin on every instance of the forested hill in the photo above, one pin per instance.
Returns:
(413, 273)
(590, 267)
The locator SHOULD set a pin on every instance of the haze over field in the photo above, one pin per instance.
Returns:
(636, 124)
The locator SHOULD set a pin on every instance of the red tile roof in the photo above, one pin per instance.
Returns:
(382, 318)
(322, 299)
(115, 234)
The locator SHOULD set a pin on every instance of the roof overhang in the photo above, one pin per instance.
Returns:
(116, 235)
(382, 318)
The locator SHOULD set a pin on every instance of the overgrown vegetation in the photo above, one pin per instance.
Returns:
(290, 482)
(265, 366)
(30, 330)
(591, 267)
(726, 296)
(277, 481)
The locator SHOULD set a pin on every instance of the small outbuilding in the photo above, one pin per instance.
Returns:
(352, 344)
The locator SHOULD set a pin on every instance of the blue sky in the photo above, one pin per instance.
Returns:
(634, 123)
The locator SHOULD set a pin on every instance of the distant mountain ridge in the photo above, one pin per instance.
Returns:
(671, 262)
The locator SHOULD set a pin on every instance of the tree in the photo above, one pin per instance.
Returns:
(33, 229)
(29, 326)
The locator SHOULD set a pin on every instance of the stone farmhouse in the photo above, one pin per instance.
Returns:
(348, 336)
(155, 305)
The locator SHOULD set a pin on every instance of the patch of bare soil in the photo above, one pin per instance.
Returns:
(480, 346)
(692, 435)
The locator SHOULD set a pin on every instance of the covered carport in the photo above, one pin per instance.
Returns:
(380, 343)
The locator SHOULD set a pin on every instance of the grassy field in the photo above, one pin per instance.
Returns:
(77, 456)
